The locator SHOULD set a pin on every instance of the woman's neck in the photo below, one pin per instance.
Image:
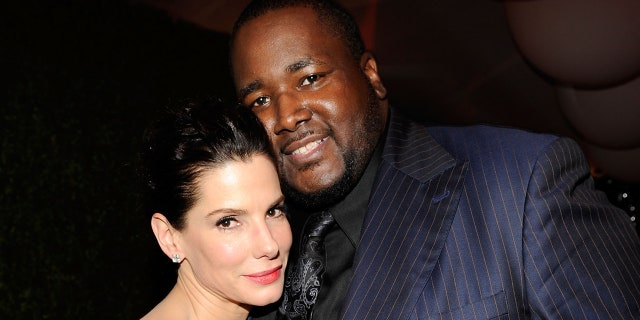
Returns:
(201, 303)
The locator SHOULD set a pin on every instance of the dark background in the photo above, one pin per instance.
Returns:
(82, 79)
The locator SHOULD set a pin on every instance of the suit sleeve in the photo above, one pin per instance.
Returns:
(581, 254)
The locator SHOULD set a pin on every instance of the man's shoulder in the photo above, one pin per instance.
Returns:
(483, 138)
(478, 133)
(488, 131)
(478, 141)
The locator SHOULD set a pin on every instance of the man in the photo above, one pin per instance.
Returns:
(430, 222)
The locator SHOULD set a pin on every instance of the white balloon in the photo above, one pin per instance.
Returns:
(581, 42)
(608, 117)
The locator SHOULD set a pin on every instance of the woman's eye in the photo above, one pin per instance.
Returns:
(227, 222)
(276, 211)
(310, 79)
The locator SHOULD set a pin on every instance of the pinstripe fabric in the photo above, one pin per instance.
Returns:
(490, 223)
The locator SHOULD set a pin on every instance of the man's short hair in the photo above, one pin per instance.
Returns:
(332, 16)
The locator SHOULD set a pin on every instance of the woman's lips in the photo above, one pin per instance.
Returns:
(266, 277)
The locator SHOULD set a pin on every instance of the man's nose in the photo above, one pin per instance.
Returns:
(291, 112)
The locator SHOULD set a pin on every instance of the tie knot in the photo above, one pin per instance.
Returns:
(318, 224)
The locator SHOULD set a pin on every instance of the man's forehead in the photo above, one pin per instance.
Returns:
(296, 15)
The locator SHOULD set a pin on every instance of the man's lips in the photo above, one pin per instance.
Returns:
(265, 277)
(308, 147)
(304, 146)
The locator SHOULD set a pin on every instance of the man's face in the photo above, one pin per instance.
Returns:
(324, 111)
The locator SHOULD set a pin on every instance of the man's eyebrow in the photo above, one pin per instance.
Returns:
(301, 64)
(249, 88)
(257, 84)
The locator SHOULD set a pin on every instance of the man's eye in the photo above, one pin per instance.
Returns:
(260, 102)
(310, 79)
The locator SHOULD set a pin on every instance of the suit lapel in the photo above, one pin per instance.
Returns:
(412, 206)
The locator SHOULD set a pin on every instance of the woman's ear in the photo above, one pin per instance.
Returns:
(369, 66)
(167, 237)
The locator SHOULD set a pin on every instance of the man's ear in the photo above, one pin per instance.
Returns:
(369, 66)
(166, 236)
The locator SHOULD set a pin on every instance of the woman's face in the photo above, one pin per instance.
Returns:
(237, 238)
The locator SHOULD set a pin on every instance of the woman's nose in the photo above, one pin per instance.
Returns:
(265, 243)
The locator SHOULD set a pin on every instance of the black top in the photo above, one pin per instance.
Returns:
(341, 243)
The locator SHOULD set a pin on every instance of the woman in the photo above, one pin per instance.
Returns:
(218, 211)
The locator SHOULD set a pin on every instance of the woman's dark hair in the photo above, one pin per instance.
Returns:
(189, 139)
(331, 16)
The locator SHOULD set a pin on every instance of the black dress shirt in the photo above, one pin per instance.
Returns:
(341, 243)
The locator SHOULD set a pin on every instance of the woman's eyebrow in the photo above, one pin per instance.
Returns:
(227, 211)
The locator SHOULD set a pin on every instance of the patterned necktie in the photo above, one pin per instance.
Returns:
(303, 282)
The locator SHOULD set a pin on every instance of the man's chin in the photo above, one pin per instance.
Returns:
(324, 184)
(320, 198)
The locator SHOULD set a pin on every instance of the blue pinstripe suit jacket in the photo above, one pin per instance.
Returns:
(490, 223)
